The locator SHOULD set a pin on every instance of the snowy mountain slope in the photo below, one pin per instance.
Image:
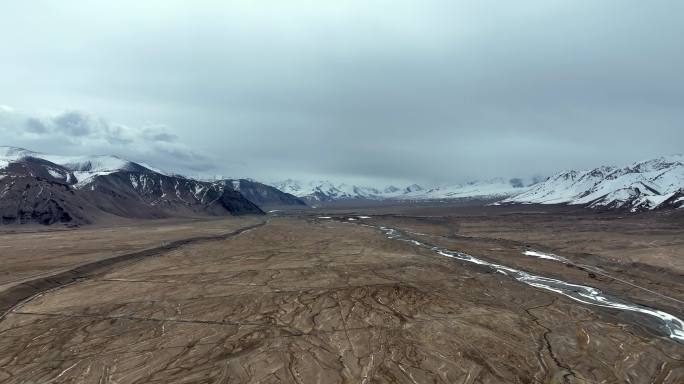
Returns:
(263, 195)
(326, 191)
(35, 191)
(84, 168)
(11, 154)
(122, 193)
(644, 185)
(47, 189)
(676, 200)
(323, 190)
(563, 186)
(119, 187)
(494, 188)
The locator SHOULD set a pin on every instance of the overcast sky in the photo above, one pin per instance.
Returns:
(365, 91)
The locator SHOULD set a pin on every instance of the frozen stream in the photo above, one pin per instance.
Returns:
(669, 324)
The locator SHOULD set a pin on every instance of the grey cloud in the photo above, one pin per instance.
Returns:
(190, 160)
(408, 90)
(165, 137)
(115, 134)
(72, 124)
(34, 125)
(159, 133)
(76, 132)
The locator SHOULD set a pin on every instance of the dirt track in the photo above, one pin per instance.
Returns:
(302, 300)
(21, 291)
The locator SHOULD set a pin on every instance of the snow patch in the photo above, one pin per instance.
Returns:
(55, 174)
(546, 256)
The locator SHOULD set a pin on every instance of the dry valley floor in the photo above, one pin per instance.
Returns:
(304, 299)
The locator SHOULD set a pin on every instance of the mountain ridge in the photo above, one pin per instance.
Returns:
(321, 191)
(76, 190)
(45, 188)
(650, 184)
(643, 185)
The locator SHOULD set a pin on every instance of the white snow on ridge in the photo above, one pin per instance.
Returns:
(84, 168)
(641, 186)
(14, 153)
(325, 190)
(493, 188)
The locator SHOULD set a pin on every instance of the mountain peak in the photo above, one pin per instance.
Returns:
(84, 168)
(324, 191)
(413, 188)
(15, 152)
(657, 164)
(641, 186)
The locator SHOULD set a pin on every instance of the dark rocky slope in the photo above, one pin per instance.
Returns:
(34, 190)
(263, 195)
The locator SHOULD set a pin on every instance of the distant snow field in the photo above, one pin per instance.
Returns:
(644, 185)
(323, 190)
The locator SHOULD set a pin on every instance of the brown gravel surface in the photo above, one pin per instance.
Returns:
(306, 300)
(30, 252)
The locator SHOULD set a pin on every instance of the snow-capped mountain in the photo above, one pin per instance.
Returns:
(263, 195)
(326, 191)
(47, 189)
(644, 185)
(83, 168)
(323, 190)
(488, 189)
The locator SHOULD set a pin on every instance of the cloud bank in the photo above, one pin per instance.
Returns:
(377, 91)
(75, 132)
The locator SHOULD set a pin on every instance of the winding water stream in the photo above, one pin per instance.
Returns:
(668, 324)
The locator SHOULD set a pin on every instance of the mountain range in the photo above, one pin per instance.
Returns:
(323, 191)
(75, 190)
(645, 185)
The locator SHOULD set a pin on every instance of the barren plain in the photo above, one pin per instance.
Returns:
(314, 297)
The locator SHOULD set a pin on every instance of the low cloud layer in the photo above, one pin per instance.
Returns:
(75, 132)
(381, 91)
